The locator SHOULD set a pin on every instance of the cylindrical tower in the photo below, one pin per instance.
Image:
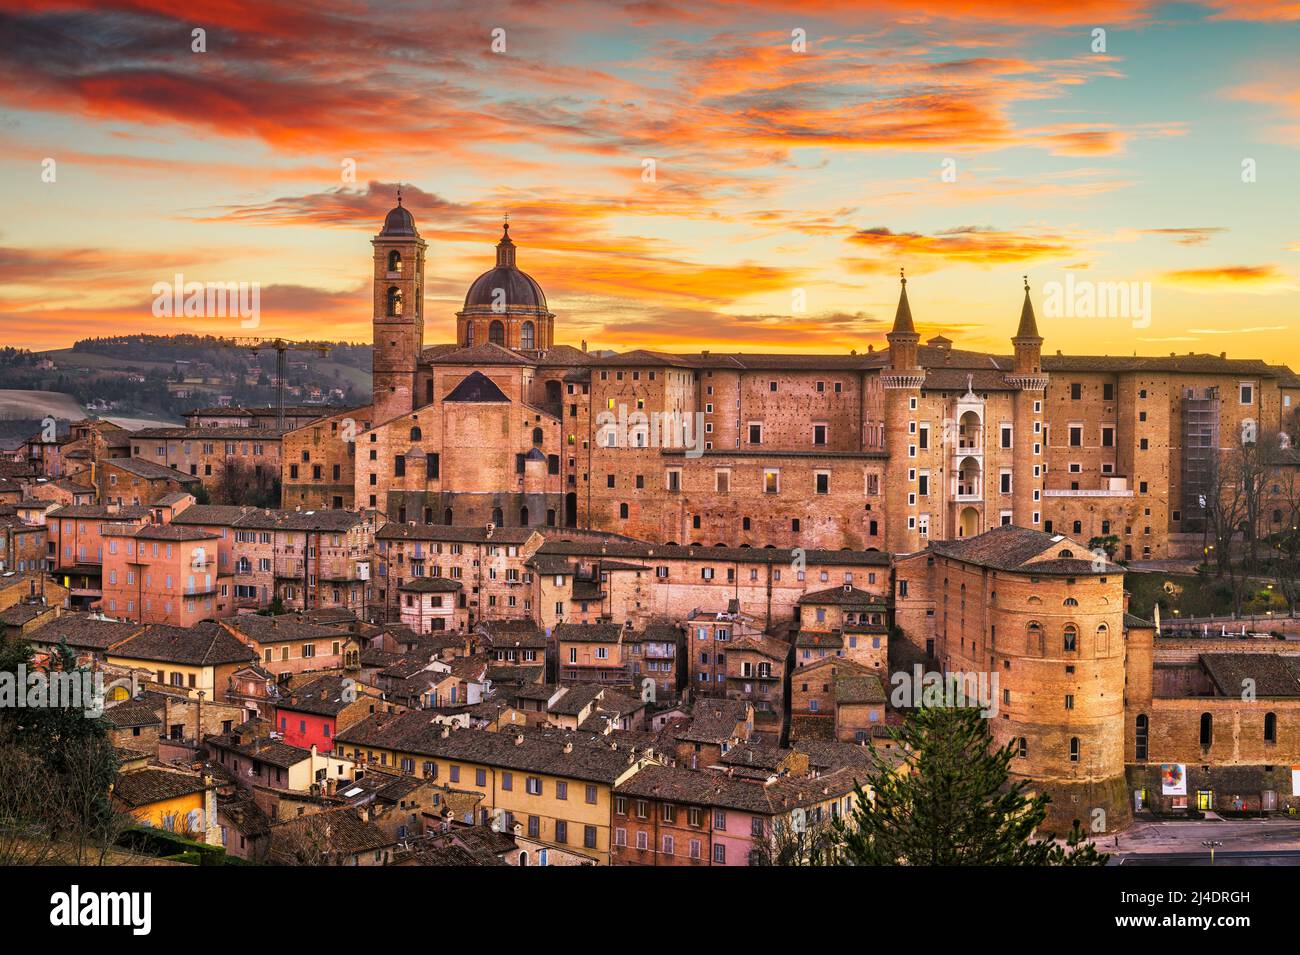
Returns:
(901, 382)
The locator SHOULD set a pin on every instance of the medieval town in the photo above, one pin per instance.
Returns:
(545, 605)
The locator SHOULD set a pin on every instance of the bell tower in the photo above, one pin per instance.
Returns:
(398, 312)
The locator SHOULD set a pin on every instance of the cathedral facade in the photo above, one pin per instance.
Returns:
(878, 449)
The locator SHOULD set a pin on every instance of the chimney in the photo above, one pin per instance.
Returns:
(519, 739)
(584, 344)
(568, 746)
(446, 730)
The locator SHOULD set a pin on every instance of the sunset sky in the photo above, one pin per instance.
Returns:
(774, 170)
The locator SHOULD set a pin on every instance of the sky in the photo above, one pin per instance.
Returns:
(744, 176)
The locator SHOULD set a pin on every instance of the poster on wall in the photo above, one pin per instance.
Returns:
(1295, 780)
(1173, 779)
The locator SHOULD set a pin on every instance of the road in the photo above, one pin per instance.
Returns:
(1244, 842)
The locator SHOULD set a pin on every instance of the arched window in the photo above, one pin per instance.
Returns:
(523, 517)
(469, 333)
(497, 332)
(550, 517)
(523, 858)
(526, 336)
(1077, 527)
(1140, 730)
(538, 437)
(1270, 727)
(1074, 749)
(1103, 639)
(1207, 729)
(1067, 552)
(498, 517)
(1070, 602)
(446, 517)
(394, 261)
(1035, 600)
(415, 433)
(1071, 638)
(418, 299)
(394, 301)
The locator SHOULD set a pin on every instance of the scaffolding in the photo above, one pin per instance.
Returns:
(1200, 454)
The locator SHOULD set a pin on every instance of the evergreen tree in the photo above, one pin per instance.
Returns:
(951, 802)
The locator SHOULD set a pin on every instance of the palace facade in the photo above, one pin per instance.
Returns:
(877, 449)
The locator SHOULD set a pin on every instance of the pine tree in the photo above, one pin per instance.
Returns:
(951, 802)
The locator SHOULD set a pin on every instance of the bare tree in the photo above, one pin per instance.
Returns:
(1286, 540)
(26, 794)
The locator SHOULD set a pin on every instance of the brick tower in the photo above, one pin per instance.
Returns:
(398, 312)
(1027, 376)
(902, 382)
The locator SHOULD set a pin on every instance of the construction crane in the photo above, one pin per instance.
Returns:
(280, 345)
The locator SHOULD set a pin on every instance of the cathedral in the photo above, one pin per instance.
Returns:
(883, 449)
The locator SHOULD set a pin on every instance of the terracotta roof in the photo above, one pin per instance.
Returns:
(413, 732)
(218, 434)
(1025, 551)
(142, 787)
(324, 696)
(131, 713)
(270, 751)
(431, 585)
(488, 353)
(205, 644)
(469, 534)
(587, 632)
(859, 689)
(1271, 674)
(82, 631)
(642, 550)
(144, 468)
(333, 832)
(843, 596)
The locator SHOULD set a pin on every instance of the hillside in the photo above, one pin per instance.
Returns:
(160, 377)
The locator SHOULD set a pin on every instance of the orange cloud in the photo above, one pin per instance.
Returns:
(966, 244)
(1238, 277)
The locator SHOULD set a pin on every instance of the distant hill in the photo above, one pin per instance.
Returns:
(163, 376)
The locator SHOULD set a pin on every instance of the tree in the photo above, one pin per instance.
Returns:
(1108, 543)
(951, 802)
(793, 842)
(70, 756)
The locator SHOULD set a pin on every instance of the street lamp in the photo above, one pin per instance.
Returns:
(1211, 844)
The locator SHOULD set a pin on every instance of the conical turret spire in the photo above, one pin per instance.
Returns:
(1028, 325)
(903, 316)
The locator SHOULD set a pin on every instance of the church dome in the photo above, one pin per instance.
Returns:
(519, 288)
(399, 220)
